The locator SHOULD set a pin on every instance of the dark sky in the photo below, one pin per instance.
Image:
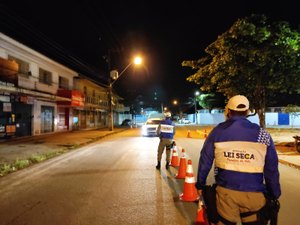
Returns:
(81, 34)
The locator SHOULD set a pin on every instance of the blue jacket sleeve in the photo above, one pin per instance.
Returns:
(205, 161)
(271, 172)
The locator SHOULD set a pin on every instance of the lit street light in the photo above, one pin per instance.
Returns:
(114, 75)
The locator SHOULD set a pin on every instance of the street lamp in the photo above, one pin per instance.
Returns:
(195, 103)
(114, 75)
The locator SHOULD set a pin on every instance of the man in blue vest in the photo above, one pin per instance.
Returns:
(246, 166)
(166, 132)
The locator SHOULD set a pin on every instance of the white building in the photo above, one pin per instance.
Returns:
(28, 90)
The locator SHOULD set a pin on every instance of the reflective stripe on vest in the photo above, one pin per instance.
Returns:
(241, 156)
(165, 128)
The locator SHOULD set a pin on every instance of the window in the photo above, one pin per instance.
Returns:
(63, 83)
(23, 66)
(45, 76)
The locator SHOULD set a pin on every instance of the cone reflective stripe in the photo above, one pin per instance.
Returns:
(189, 190)
(174, 144)
(175, 158)
(189, 180)
(201, 214)
(189, 169)
(182, 166)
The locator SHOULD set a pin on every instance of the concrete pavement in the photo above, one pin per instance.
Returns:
(24, 148)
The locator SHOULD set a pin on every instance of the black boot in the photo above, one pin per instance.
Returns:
(158, 165)
(167, 165)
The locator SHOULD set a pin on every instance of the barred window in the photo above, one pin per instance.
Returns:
(63, 83)
(45, 76)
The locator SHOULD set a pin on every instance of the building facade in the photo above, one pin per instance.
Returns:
(89, 105)
(39, 95)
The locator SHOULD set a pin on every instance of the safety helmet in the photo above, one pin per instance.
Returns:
(168, 114)
(238, 103)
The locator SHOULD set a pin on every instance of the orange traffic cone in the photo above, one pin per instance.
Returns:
(201, 214)
(189, 169)
(182, 166)
(189, 190)
(205, 134)
(189, 134)
(175, 159)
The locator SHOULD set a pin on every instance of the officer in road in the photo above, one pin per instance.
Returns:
(246, 166)
(166, 132)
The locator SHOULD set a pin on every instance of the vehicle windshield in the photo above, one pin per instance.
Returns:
(153, 121)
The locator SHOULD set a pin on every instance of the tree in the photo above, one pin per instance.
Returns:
(255, 58)
(210, 101)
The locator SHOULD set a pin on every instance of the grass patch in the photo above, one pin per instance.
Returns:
(5, 169)
(37, 158)
(23, 163)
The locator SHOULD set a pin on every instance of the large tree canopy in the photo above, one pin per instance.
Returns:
(255, 58)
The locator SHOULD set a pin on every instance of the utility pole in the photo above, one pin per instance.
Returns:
(195, 102)
(114, 76)
(110, 108)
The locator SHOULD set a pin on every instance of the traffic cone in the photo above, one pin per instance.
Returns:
(189, 169)
(174, 159)
(201, 214)
(205, 134)
(182, 166)
(189, 190)
(189, 134)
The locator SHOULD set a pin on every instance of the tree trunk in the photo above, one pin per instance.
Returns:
(262, 117)
(262, 108)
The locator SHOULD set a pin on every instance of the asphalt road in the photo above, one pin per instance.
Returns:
(114, 181)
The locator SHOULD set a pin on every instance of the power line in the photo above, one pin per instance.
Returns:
(21, 29)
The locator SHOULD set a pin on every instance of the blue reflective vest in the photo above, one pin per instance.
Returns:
(245, 158)
(166, 129)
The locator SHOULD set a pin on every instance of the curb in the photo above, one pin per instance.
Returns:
(98, 138)
(288, 164)
(63, 150)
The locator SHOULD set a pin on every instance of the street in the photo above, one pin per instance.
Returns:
(114, 181)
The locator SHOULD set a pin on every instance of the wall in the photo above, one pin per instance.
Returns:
(215, 118)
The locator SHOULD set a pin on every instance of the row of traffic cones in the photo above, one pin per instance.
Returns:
(189, 194)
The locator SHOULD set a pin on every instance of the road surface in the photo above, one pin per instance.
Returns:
(114, 181)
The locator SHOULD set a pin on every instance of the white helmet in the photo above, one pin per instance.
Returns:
(238, 103)
(168, 114)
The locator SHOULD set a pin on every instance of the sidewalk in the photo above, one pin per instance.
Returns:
(24, 148)
(288, 155)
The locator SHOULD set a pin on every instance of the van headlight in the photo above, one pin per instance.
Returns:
(144, 130)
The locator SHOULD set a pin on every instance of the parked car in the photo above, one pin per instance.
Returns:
(184, 121)
(150, 127)
(126, 122)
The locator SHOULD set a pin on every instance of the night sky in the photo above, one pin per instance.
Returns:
(82, 34)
